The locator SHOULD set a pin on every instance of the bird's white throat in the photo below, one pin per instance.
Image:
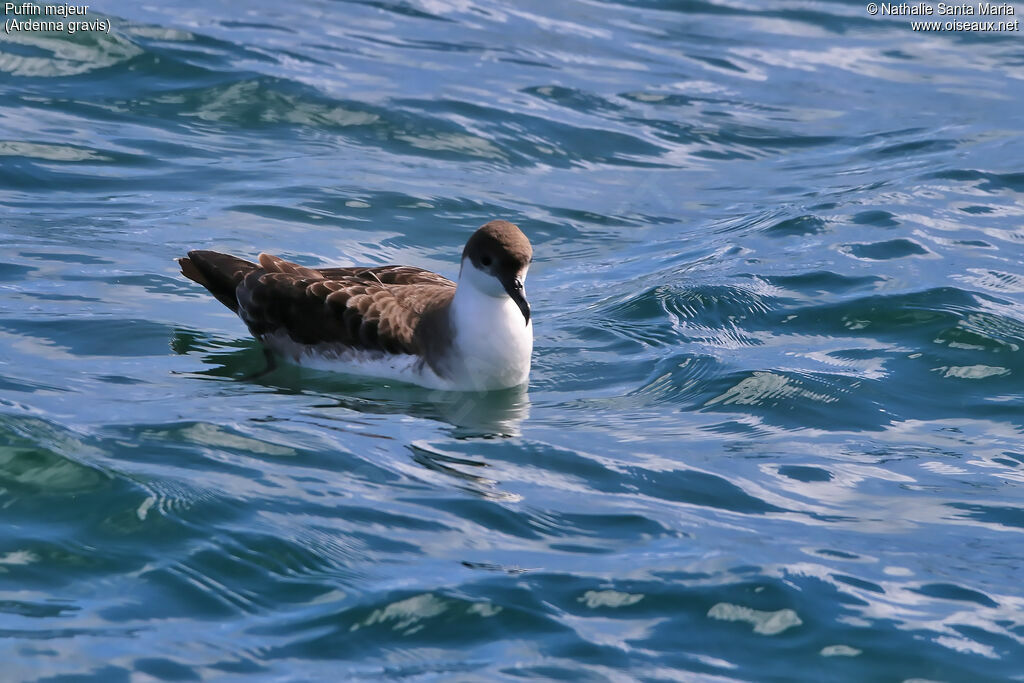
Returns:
(493, 342)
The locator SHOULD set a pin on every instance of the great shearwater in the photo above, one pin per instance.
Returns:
(394, 322)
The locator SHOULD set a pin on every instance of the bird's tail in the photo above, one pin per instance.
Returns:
(219, 273)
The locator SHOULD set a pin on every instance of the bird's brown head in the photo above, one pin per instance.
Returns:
(500, 249)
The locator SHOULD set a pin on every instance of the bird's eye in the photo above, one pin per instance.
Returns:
(485, 261)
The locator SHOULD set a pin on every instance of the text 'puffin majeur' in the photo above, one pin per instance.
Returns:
(65, 18)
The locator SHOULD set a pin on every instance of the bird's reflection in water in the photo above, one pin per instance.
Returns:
(489, 414)
(472, 414)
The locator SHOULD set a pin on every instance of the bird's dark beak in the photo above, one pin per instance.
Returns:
(515, 290)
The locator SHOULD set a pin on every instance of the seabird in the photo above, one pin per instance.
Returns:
(395, 322)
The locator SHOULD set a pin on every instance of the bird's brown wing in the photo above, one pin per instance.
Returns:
(341, 305)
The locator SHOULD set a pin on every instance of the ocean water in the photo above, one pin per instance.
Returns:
(774, 425)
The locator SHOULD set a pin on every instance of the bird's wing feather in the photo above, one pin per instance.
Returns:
(388, 275)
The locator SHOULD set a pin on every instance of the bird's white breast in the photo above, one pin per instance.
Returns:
(493, 342)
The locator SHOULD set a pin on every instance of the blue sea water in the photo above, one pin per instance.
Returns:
(774, 426)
